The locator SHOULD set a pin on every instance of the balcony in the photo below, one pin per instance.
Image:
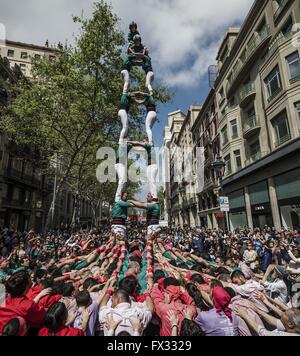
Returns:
(16, 175)
(16, 204)
(251, 126)
(279, 12)
(253, 50)
(247, 94)
(282, 140)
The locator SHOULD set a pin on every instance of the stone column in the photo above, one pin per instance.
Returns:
(274, 204)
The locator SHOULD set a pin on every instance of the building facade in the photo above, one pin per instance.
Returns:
(252, 120)
(25, 193)
(22, 54)
(258, 101)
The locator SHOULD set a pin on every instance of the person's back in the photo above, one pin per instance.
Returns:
(217, 324)
(18, 305)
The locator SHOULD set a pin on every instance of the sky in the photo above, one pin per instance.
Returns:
(183, 36)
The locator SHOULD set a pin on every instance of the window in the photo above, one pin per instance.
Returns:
(294, 66)
(254, 149)
(287, 27)
(37, 56)
(24, 55)
(10, 53)
(238, 160)
(221, 95)
(297, 105)
(52, 58)
(282, 129)
(234, 129)
(273, 83)
(225, 136)
(228, 165)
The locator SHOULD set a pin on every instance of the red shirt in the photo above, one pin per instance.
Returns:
(25, 308)
(64, 331)
(47, 301)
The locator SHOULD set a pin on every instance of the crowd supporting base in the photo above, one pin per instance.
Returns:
(179, 282)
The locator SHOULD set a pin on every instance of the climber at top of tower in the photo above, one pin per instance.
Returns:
(133, 28)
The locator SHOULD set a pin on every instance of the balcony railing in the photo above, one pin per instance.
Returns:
(295, 79)
(280, 141)
(247, 90)
(250, 123)
(250, 50)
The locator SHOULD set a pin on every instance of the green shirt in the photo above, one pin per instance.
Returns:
(137, 49)
(131, 35)
(125, 102)
(120, 209)
(150, 103)
(153, 210)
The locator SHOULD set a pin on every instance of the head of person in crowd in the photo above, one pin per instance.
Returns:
(134, 268)
(18, 284)
(83, 299)
(15, 327)
(56, 317)
(238, 278)
(190, 329)
(158, 275)
(129, 284)
(221, 300)
(119, 297)
(291, 321)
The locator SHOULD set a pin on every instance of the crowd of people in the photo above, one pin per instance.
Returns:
(180, 282)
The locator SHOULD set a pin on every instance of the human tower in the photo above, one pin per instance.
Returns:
(137, 56)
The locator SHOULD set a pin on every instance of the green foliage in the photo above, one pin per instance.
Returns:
(69, 109)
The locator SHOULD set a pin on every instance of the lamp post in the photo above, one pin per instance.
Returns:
(219, 167)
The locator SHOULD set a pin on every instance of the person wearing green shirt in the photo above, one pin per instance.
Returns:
(119, 216)
(152, 168)
(125, 103)
(133, 28)
(121, 169)
(137, 53)
(149, 102)
(153, 214)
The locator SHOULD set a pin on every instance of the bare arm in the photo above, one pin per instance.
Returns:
(139, 204)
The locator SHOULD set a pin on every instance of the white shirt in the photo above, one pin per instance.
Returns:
(125, 312)
(277, 290)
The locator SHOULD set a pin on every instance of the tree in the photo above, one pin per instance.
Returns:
(70, 107)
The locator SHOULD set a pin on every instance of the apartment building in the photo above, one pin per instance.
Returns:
(205, 135)
(258, 103)
(22, 54)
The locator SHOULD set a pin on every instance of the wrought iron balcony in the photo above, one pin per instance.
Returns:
(251, 126)
(253, 49)
(247, 93)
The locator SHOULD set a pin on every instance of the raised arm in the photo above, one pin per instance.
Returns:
(139, 204)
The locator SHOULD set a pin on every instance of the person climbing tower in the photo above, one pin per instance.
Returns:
(149, 102)
(119, 216)
(133, 28)
(125, 103)
(137, 55)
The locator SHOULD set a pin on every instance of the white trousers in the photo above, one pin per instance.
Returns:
(150, 121)
(121, 172)
(152, 173)
(126, 77)
(124, 119)
(149, 80)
